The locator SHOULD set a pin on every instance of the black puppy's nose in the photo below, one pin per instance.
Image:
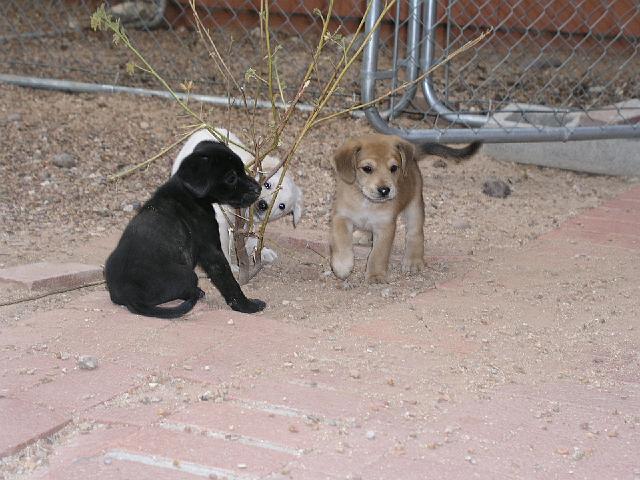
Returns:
(384, 191)
(262, 205)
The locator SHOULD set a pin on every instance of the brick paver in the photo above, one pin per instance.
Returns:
(437, 387)
(51, 276)
(22, 423)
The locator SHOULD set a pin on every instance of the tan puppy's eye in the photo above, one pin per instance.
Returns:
(367, 169)
(394, 168)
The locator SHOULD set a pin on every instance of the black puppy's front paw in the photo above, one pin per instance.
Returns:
(247, 305)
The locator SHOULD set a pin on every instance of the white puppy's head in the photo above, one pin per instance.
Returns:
(287, 201)
(289, 196)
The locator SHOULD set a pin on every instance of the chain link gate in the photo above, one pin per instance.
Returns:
(586, 53)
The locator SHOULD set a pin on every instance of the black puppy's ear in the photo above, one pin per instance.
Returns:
(407, 152)
(344, 161)
(195, 174)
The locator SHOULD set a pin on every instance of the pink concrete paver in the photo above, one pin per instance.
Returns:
(23, 423)
(51, 276)
(294, 408)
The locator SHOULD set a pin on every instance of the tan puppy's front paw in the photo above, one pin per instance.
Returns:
(412, 266)
(341, 267)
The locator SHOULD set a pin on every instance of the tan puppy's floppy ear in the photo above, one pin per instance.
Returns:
(407, 152)
(344, 161)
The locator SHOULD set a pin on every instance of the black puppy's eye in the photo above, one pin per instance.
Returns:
(267, 185)
(231, 178)
(281, 206)
(394, 168)
(367, 169)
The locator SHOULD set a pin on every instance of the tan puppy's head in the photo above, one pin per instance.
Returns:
(375, 163)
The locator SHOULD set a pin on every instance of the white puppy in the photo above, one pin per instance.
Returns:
(288, 198)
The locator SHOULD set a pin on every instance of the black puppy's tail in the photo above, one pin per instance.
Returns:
(162, 312)
(448, 152)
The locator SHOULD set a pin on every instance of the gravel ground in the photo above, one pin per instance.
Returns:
(59, 213)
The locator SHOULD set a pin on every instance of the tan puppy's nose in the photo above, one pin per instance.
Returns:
(384, 191)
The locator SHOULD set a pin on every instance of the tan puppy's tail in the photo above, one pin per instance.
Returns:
(448, 152)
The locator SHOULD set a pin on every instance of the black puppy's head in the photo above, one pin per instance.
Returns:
(214, 173)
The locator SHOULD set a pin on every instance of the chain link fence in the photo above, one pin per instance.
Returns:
(551, 69)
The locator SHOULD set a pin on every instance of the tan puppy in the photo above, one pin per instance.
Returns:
(377, 179)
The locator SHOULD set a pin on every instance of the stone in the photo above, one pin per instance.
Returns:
(496, 188)
(87, 362)
(64, 160)
(439, 163)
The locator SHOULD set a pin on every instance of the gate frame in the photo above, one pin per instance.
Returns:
(473, 123)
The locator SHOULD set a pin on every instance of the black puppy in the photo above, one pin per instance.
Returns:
(175, 231)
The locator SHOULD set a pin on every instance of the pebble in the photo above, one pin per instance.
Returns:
(14, 117)
(354, 373)
(127, 208)
(144, 125)
(206, 396)
(460, 224)
(470, 459)
(230, 322)
(371, 434)
(87, 362)
(496, 188)
(439, 163)
(578, 454)
(64, 160)
(385, 292)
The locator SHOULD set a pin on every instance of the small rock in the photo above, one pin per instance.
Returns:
(578, 454)
(470, 459)
(230, 322)
(386, 292)
(107, 460)
(496, 188)
(13, 117)
(293, 429)
(354, 373)
(87, 362)
(127, 208)
(285, 302)
(64, 160)
(371, 434)
(439, 163)
(460, 224)
(206, 396)
(144, 125)
(242, 466)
